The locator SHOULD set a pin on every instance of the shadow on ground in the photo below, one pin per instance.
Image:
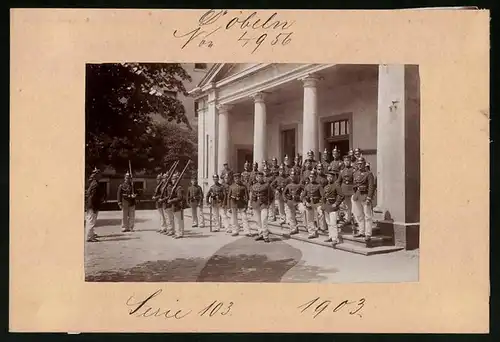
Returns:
(115, 222)
(243, 260)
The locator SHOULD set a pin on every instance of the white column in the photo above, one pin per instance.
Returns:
(223, 149)
(260, 129)
(310, 116)
(201, 142)
(211, 126)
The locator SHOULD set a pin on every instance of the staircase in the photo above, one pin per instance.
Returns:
(378, 244)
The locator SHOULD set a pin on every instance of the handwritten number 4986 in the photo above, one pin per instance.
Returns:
(215, 308)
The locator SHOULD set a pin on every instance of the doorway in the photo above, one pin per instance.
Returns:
(243, 155)
(342, 146)
(288, 147)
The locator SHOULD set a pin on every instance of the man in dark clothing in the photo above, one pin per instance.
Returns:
(160, 181)
(237, 201)
(278, 186)
(364, 188)
(336, 164)
(262, 196)
(94, 200)
(291, 194)
(215, 198)
(195, 201)
(126, 196)
(332, 198)
(311, 197)
(345, 182)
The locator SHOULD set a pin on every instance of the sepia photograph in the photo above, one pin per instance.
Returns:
(241, 172)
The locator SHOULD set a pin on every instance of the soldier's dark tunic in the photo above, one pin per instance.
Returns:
(312, 162)
(305, 175)
(245, 178)
(94, 196)
(237, 196)
(325, 164)
(346, 180)
(216, 193)
(176, 197)
(313, 193)
(268, 177)
(279, 184)
(227, 173)
(124, 193)
(292, 193)
(157, 193)
(332, 197)
(253, 176)
(364, 183)
(194, 195)
(262, 195)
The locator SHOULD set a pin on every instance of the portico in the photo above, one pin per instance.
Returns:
(258, 111)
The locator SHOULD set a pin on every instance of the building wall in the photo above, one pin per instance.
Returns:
(360, 99)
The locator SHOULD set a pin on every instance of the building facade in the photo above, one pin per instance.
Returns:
(258, 111)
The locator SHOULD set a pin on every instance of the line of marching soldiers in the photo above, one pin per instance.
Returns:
(316, 189)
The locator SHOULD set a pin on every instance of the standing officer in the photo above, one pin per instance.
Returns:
(215, 198)
(226, 173)
(94, 200)
(160, 182)
(345, 182)
(332, 198)
(311, 197)
(269, 178)
(336, 164)
(126, 201)
(237, 199)
(176, 200)
(364, 187)
(292, 194)
(226, 211)
(322, 181)
(261, 198)
(325, 159)
(287, 165)
(195, 200)
(278, 186)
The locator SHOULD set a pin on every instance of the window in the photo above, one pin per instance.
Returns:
(139, 185)
(288, 143)
(195, 109)
(337, 128)
(200, 66)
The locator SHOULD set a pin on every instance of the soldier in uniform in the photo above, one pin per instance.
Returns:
(264, 164)
(94, 200)
(292, 194)
(274, 166)
(227, 173)
(176, 200)
(278, 186)
(262, 196)
(364, 187)
(215, 198)
(245, 175)
(311, 198)
(357, 153)
(325, 159)
(336, 164)
(226, 211)
(307, 168)
(310, 158)
(195, 201)
(237, 201)
(297, 166)
(332, 198)
(160, 182)
(269, 178)
(253, 173)
(345, 182)
(287, 165)
(126, 201)
(322, 181)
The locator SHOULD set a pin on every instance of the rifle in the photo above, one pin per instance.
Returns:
(164, 188)
(178, 180)
(131, 178)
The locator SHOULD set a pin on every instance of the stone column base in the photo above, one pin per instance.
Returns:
(406, 235)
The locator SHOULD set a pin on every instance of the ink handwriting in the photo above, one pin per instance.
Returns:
(256, 31)
(318, 306)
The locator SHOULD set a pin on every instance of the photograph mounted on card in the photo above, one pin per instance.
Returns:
(241, 170)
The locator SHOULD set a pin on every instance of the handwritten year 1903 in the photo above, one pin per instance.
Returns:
(317, 306)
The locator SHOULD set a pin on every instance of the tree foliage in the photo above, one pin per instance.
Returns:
(120, 99)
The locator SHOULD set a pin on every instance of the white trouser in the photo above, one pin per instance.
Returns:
(235, 224)
(280, 204)
(260, 217)
(363, 213)
(331, 218)
(163, 220)
(170, 219)
(128, 217)
(197, 215)
(311, 214)
(178, 222)
(91, 220)
(291, 216)
(216, 217)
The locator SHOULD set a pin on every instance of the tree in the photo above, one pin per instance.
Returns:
(120, 99)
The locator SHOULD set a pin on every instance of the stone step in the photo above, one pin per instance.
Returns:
(380, 244)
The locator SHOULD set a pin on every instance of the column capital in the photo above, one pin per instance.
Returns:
(224, 108)
(259, 97)
(310, 80)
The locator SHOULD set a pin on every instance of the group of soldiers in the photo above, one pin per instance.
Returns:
(314, 189)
